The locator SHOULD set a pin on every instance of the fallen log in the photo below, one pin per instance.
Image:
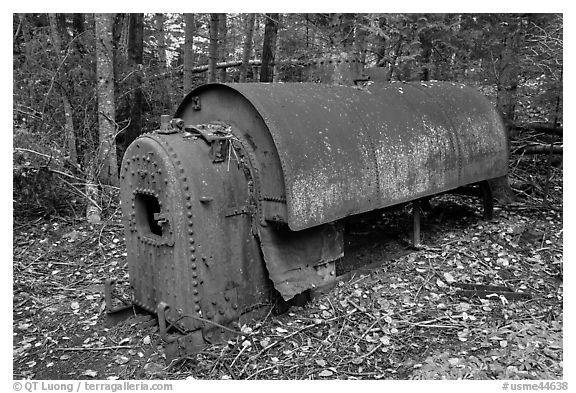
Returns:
(237, 63)
(545, 128)
(543, 149)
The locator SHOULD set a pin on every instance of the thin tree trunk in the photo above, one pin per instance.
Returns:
(129, 111)
(249, 32)
(69, 132)
(345, 31)
(106, 108)
(380, 43)
(276, 69)
(360, 38)
(189, 32)
(222, 44)
(213, 48)
(269, 48)
(164, 66)
(507, 83)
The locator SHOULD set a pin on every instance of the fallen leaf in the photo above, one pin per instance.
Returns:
(265, 342)
(449, 278)
(441, 283)
(90, 373)
(326, 373)
(121, 359)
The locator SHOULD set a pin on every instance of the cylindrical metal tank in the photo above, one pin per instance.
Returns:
(245, 193)
(335, 151)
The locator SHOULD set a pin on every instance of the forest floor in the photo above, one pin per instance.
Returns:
(405, 319)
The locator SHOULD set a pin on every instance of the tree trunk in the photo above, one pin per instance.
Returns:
(360, 39)
(130, 106)
(164, 66)
(78, 23)
(189, 32)
(426, 56)
(119, 44)
(222, 44)
(276, 68)
(248, 33)
(507, 83)
(344, 24)
(69, 132)
(269, 48)
(213, 48)
(106, 109)
(380, 43)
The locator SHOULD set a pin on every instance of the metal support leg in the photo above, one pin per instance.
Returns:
(163, 330)
(487, 200)
(416, 223)
(108, 296)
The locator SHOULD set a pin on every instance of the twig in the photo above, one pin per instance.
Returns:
(83, 194)
(78, 349)
(239, 353)
(58, 70)
(34, 152)
(259, 371)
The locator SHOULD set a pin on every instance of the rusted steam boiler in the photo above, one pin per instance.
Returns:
(244, 192)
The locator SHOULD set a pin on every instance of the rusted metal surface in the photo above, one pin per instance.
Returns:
(184, 253)
(335, 151)
(247, 185)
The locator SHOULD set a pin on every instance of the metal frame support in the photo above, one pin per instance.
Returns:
(416, 223)
(163, 330)
(108, 287)
(487, 200)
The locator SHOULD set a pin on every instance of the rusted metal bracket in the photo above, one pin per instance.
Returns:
(163, 330)
(196, 103)
(219, 148)
(108, 296)
(206, 135)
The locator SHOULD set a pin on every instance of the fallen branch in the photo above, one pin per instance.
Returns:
(546, 128)
(543, 149)
(227, 64)
(79, 349)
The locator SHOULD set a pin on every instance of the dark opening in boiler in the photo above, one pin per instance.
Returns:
(145, 206)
